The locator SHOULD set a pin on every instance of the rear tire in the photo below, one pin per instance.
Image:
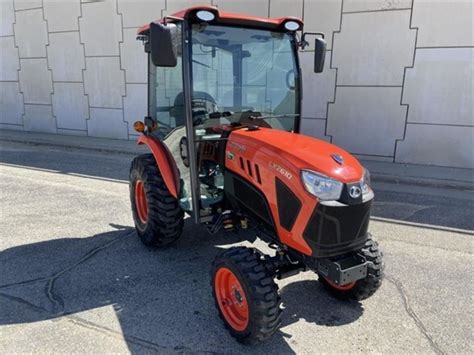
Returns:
(366, 287)
(157, 214)
(245, 294)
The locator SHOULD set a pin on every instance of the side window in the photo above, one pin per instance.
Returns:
(166, 100)
(166, 107)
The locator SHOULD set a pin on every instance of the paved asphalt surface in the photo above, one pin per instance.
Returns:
(75, 278)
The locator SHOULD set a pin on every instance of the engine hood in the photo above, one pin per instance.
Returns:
(297, 152)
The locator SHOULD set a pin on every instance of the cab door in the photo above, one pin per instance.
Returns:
(166, 106)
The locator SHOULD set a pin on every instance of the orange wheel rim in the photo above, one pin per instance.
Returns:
(232, 299)
(345, 287)
(140, 201)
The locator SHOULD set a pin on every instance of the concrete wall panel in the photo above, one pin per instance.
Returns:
(134, 59)
(137, 13)
(318, 89)
(314, 128)
(367, 120)
(66, 56)
(62, 15)
(444, 23)
(365, 56)
(31, 33)
(322, 16)
(35, 81)
(107, 123)
(135, 104)
(104, 82)
(286, 8)
(39, 118)
(27, 4)
(437, 145)
(248, 7)
(9, 62)
(11, 103)
(7, 17)
(70, 105)
(439, 89)
(374, 5)
(101, 28)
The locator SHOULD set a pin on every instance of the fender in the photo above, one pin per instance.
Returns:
(166, 164)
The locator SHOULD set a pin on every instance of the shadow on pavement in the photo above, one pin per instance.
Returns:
(161, 298)
(309, 301)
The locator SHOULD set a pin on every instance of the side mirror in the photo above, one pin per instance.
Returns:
(319, 54)
(163, 44)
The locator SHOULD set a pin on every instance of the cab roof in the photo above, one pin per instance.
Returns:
(227, 18)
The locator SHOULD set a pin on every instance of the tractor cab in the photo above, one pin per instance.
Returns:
(209, 73)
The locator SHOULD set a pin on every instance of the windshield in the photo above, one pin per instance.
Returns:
(240, 72)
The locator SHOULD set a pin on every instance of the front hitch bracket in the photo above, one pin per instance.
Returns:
(343, 271)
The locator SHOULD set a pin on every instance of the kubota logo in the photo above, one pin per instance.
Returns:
(282, 171)
(355, 192)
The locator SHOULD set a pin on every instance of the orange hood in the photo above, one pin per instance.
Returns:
(298, 152)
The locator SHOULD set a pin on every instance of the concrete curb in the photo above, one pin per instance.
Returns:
(422, 181)
(128, 149)
(403, 174)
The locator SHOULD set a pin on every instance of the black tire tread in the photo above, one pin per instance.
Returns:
(261, 292)
(165, 216)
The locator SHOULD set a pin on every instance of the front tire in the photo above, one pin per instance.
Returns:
(245, 295)
(366, 287)
(157, 214)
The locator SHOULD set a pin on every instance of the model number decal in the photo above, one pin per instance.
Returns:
(240, 147)
(281, 170)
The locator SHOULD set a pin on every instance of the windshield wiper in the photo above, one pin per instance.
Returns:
(197, 62)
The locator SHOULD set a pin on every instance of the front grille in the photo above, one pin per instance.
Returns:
(334, 230)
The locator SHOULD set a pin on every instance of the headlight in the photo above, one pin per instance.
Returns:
(365, 182)
(321, 186)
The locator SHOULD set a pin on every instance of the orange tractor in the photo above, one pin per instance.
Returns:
(223, 127)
